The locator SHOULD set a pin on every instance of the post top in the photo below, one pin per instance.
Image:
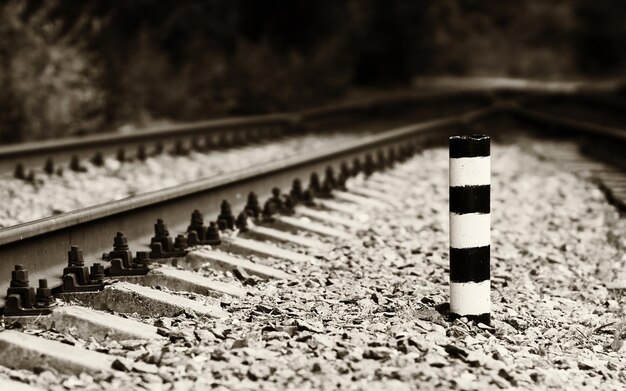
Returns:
(474, 145)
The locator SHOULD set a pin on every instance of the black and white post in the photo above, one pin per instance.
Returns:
(470, 223)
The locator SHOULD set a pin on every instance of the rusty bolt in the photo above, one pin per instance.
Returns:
(96, 273)
(330, 176)
(356, 166)
(242, 221)
(30, 177)
(289, 204)
(392, 155)
(253, 209)
(142, 258)
(120, 242)
(212, 232)
(121, 155)
(307, 197)
(141, 153)
(158, 149)
(314, 183)
(226, 214)
(341, 181)
(197, 218)
(75, 164)
(327, 187)
(381, 159)
(296, 190)
(20, 172)
(75, 257)
(180, 242)
(369, 165)
(44, 297)
(49, 166)
(276, 199)
(160, 229)
(98, 159)
(19, 277)
(344, 170)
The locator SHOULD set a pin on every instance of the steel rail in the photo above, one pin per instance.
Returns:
(606, 86)
(42, 245)
(266, 126)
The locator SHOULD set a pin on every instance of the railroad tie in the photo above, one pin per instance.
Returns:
(25, 351)
(87, 323)
(8, 384)
(469, 227)
(282, 236)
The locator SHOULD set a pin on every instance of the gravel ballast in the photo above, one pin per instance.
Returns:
(368, 314)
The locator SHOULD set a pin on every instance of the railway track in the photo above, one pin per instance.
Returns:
(326, 206)
(371, 114)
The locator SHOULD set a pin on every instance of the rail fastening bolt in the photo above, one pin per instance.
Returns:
(19, 277)
(120, 242)
(330, 176)
(226, 214)
(314, 183)
(49, 166)
(180, 242)
(98, 159)
(43, 297)
(296, 190)
(20, 172)
(96, 273)
(212, 232)
(344, 170)
(253, 209)
(75, 257)
(356, 166)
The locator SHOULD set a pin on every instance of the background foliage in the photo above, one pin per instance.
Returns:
(72, 67)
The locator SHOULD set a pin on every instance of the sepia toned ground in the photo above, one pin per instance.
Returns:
(367, 315)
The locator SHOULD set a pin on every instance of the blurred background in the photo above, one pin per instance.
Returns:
(79, 67)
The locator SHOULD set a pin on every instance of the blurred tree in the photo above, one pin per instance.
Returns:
(80, 66)
(395, 43)
(48, 84)
(600, 39)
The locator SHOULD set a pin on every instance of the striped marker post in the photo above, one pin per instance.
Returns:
(470, 179)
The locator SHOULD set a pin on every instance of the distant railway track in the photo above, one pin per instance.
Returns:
(378, 112)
